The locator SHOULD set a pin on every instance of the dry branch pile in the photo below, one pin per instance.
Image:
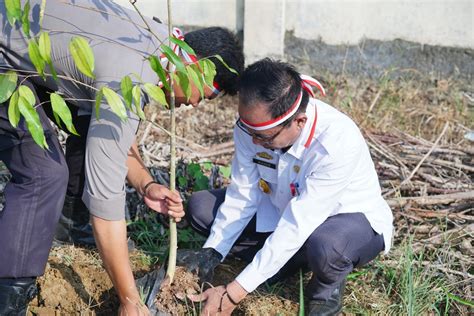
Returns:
(430, 189)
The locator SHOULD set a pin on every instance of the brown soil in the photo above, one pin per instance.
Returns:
(75, 283)
(172, 298)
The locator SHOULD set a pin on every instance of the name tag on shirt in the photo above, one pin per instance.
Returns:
(264, 163)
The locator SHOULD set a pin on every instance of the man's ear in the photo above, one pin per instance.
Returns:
(301, 120)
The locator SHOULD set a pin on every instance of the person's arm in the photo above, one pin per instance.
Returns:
(138, 175)
(111, 240)
(156, 196)
(241, 200)
(111, 236)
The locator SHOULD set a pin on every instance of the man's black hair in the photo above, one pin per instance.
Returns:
(219, 41)
(274, 83)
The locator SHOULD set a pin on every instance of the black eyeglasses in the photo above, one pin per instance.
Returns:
(262, 138)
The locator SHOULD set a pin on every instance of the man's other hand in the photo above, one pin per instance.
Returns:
(160, 199)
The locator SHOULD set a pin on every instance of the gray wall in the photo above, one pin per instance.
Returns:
(334, 22)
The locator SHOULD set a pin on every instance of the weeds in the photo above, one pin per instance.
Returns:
(408, 282)
(301, 309)
(417, 288)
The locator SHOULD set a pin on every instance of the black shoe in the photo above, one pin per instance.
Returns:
(330, 307)
(15, 296)
(74, 226)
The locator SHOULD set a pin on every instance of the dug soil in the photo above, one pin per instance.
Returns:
(171, 297)
(75, 283)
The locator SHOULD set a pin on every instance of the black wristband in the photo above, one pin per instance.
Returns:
(147, 185)
(230, 298)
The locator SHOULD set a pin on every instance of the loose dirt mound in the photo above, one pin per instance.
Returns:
(172, 298)
(75, 283)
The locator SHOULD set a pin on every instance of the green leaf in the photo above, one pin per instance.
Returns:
(183, 45)
(194, 170)
(62, 110)
(209, 71)
(13, 110)
(201, 183)
(126, 87)
(460, 300)
(44, 43)
(183, 82)
(57, 120)
(173, 58)
(156, 66)
(8, 82)
(13, 10)
(26, 93)
(116, 104)
(207, 165)
(155, 93)
(225, 171)
(25, 19)
(83, 56)
(218, 57)
(182, 182)
(35, 56)
(136, 92)
(196, 77)
(33, 122)
(53, 71)
(98, 101)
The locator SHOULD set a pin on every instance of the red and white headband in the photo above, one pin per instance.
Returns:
(307, 83)
(177, 33)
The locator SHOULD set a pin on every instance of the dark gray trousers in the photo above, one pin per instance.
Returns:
(34, 198)
(342, 242)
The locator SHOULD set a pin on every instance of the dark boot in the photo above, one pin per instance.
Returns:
(74, 226)
(15, 296)
(330, 307)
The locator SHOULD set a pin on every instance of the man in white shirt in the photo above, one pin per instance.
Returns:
(304, 190)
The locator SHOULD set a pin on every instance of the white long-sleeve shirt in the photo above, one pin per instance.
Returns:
(327, 171)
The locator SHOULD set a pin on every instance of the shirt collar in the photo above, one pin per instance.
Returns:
(308, 133)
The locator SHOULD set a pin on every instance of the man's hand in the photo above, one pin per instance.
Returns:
(201, 261)
(220, 300)
(162, 200)
(216, 301)
(135, 309)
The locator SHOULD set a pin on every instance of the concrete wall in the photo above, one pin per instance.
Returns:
(225, 13)
(264, 22)
(436, 22)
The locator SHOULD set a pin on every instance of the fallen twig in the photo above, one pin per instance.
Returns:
(431, 199)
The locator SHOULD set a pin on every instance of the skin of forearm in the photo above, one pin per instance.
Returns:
(111, 240)
(138, 175)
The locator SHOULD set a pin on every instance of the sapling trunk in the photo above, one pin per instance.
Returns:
(173, 231)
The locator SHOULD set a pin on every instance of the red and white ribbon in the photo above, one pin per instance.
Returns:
(189, 58)
(307, 83)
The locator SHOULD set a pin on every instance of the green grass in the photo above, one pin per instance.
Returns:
(417, 288)
(408, 282)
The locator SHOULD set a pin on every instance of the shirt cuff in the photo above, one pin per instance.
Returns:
(250, 278)
(111, 209)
